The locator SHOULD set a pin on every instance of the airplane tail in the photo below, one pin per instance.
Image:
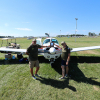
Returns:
(47, 34)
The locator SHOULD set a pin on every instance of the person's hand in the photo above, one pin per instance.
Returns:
(66, 62)
(27, 53)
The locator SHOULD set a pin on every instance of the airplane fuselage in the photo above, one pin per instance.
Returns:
(51, 52)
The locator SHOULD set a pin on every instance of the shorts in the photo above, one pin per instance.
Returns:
(33, 64)
(63, 63)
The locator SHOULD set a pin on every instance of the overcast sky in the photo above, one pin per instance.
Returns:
(37, 17)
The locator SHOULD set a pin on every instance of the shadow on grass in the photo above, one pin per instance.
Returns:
(75, 73)
(56, 83)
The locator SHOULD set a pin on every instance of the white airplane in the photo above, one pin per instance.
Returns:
(51, 53)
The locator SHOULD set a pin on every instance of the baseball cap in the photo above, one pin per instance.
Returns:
(62, 42)
(34, 40)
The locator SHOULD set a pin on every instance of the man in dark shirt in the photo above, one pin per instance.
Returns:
(65, 57)
(32, 51)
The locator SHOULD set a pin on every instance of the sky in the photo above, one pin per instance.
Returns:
(56, 17)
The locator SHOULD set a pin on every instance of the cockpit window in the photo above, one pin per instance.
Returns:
(52, 40)
(55, 41)
(46, 41)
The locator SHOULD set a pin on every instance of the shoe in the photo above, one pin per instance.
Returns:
(37, 75)
(34, 77)
(62, 78)
(66, 75)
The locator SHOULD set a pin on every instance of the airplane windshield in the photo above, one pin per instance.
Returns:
(55, 41)
(46, 41)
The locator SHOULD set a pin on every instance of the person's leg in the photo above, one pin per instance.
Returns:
(37, 67)
(67, 70)
(31, 65)
(63, 71)
(31, 70)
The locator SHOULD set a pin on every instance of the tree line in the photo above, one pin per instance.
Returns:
(72, 35)
(6, 36)
(92, 34)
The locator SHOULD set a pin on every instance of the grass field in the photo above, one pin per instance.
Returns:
(83, 82)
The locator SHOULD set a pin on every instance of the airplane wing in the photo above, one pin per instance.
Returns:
(41, 51)
(9, 50)
(23, 51)
(84, 48)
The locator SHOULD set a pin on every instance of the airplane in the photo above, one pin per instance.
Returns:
(51, 53)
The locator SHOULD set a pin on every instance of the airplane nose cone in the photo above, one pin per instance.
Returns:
(52, 50)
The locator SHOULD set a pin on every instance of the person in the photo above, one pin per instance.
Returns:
(65, 57)
(32, 51)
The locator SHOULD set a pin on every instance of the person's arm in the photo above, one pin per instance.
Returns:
(44, 46)
(57, 45)
(68, 59)
(28, 50)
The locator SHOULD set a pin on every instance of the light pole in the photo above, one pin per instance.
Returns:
(76, 28)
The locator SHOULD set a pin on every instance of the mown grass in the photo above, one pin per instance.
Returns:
(83, 82)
